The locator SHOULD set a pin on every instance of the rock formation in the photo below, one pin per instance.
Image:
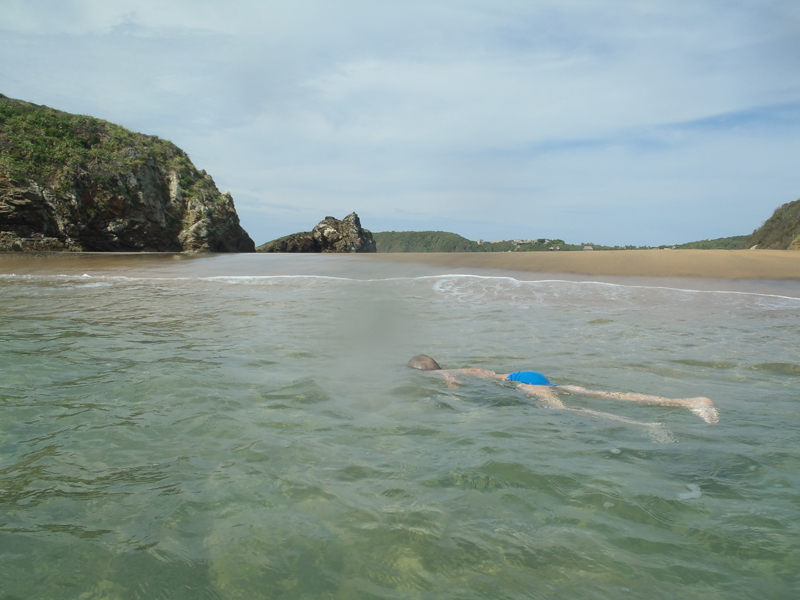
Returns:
(70, 182)
(330, 235)
(781, 231)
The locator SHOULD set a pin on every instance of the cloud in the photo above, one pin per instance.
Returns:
(490, 117)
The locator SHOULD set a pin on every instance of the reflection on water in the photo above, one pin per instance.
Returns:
(222, 428)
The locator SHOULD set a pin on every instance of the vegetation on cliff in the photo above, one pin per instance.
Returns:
(94, 185)
(734, 242)
(781, 231)
(52, 147)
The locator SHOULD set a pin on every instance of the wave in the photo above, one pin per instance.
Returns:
(457, 286)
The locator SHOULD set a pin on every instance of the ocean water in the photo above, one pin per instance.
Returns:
(245, 427)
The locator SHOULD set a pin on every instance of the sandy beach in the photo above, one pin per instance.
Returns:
(706, 264)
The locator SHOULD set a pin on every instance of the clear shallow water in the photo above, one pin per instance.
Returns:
(221, 428)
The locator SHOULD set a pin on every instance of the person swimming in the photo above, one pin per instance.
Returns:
(426, 363)
(538, 385)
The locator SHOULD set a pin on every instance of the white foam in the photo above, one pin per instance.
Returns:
(693, 493)
(660, 434)
(610, 286)
(441, 284)
(595, 296)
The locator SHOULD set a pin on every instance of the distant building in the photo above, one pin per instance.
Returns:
(588, 248)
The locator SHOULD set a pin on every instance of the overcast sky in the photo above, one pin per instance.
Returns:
(618, 122)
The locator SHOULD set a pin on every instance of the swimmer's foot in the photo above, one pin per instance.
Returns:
(704, 408)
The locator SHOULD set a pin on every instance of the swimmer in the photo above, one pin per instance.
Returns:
(541, 387)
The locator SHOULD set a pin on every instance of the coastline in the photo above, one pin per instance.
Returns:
(700, 264)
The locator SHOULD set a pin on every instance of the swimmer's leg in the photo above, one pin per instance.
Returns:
(702, 407)
(546, 394)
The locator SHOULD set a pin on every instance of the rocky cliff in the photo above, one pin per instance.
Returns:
(71, 182)
(781, 231)
(330, 235)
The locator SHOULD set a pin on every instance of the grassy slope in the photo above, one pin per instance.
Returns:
(423, 241)
(53, 148)
(727, 243)
(780, 230)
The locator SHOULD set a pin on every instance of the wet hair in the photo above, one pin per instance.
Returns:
(424, 363)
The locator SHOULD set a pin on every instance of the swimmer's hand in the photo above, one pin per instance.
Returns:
(450, 381)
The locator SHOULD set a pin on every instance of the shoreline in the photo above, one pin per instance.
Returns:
(692, 264)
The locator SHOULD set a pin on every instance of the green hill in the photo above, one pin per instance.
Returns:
(423, 241)
(781, 231)
(726, 243)
(443, 241)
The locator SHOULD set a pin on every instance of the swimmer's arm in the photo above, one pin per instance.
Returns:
(452, 376)
(482, 373)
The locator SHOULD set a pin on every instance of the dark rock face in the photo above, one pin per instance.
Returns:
(146, 212)
(85, 184)
(330, 235)
(35, 243)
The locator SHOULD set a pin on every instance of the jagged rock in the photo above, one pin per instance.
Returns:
(94, 186)
(35, 243)
(330, 235)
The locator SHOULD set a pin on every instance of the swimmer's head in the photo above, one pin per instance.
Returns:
(424, 363)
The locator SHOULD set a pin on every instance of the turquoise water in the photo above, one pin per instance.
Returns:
(244, 427)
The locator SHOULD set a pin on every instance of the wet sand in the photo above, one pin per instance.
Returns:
(705, 264)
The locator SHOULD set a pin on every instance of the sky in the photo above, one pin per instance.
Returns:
(641, 122)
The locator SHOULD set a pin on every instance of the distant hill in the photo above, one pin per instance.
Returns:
(443, 241)
(423, 241)
(734, 242)
(781, 231)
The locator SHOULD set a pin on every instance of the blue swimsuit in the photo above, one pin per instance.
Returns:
(529, 377)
